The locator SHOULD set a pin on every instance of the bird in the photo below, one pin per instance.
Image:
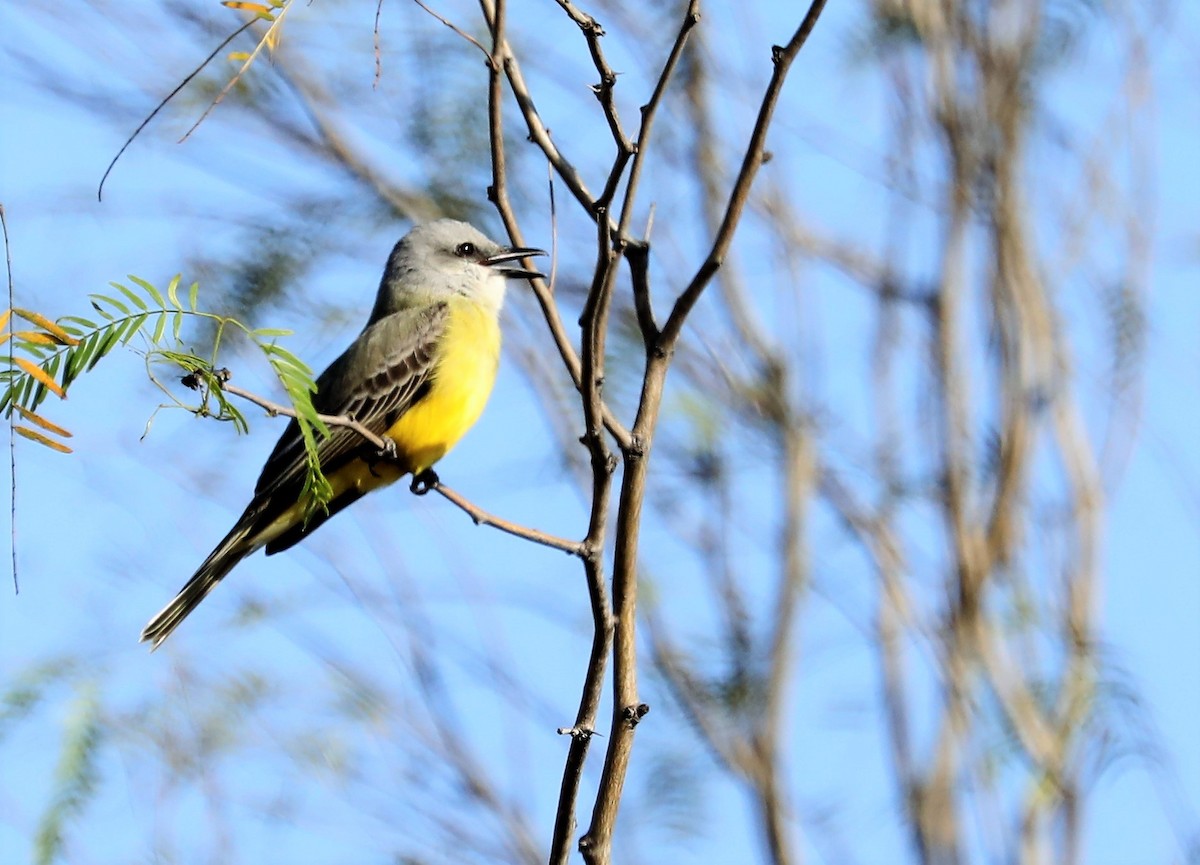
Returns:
(418, 376)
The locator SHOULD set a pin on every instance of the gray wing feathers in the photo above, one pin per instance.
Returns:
(374, 382)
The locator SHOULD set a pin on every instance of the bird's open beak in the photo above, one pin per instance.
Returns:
(501, 262)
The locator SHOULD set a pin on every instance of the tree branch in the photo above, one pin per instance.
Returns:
(782, 58)
(477, 514)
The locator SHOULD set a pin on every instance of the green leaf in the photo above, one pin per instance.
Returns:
(271, 331)
(107, 341)
(173, 292)
(82, 322)
(132, 327)
(96, 306)
(282, 353)
(133, 296)
(295, 382)
(193, 295)
(150, 290)
(81, 356)
(160, 328)
(53, 366)
(111, 301)
(30, 395)
(176, 325)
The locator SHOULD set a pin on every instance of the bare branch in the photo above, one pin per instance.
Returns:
(480, 516)
(751, 162)
(483, 518)
(592, 31)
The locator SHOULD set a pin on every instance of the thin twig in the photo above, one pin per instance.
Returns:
(163, 104)
(464, 34)
(377, 47)
(477, 514)
(639, 272)
(753, 160)
(276, 408)
(650, 110)
(592, 31)
(274, 27)
(483, 518)
(640, 268)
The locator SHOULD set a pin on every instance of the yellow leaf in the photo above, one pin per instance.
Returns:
(37, 337)
(239, 56)
(33, 417)
(4, 317)
(47, 325)
(36, 436)
(249, 7)
(41, 375)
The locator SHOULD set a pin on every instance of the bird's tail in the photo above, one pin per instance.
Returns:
(220, 562)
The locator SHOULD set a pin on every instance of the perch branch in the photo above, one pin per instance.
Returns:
(477, 514)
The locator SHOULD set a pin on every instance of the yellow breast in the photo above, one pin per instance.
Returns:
(462, 379)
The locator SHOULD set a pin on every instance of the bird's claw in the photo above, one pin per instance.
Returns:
(388, 452)
(424, 481)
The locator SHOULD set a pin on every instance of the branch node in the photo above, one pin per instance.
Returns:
(632, 715)
(776, 54)
(577, 732)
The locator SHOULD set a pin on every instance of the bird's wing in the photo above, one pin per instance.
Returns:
(376, 380)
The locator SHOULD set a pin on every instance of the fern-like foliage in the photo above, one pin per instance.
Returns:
(48, 358)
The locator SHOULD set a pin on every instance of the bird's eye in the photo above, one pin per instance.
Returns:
(465, 250)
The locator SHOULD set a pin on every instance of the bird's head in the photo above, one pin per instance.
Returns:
(444, 258)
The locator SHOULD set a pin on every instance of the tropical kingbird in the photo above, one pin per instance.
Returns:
(419, 375)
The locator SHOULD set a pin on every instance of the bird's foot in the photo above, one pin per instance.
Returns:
(388, 451)
(424, 481)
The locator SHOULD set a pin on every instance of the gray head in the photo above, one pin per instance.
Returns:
(444, 258)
